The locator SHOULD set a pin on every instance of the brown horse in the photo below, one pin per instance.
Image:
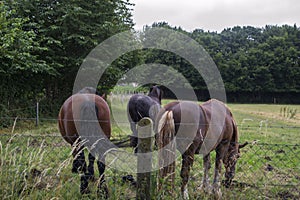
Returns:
(77, 119)
(194, 129)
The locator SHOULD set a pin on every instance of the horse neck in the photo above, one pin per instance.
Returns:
(155, 94)
(155, 98)
(235, 136)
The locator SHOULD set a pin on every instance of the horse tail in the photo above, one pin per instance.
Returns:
(89, 128)
(88, 117)
(167, 149)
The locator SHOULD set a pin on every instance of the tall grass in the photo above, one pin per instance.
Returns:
(35, 162)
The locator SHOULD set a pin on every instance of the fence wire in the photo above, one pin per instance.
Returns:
(40, 165)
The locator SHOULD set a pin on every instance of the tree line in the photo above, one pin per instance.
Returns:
(253, 62)
(44, 42)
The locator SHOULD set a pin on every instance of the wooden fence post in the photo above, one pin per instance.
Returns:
(144, 157)
(37, 114)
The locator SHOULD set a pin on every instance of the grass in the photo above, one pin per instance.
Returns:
(35, 162)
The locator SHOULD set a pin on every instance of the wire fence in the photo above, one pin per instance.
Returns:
(39, 165)
(34, 165)
(271, 169)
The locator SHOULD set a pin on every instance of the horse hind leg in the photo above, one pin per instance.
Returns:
(90, 170)
(79, 164)
(187, 162)
(82, 167)
(84, 180)
(102, 187)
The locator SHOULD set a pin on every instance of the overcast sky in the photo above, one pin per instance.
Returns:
(215, 15)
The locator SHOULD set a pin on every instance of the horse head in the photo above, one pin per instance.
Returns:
(156, 93)
(230, 161)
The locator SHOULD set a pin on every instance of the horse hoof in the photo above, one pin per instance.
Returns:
(129, 178)
(78, 170)
(85, 191)
(133, 141)
(75, 170)
(185, 195)
(217, 193)
(90, 177)
(205, 188)
(102, 192)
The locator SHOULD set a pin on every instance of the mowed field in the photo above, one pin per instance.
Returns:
(35, 162)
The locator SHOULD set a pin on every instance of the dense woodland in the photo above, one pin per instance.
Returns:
(44, 42)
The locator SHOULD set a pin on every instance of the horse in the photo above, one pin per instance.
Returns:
(75, 117)
(197, 129)
(140, 106)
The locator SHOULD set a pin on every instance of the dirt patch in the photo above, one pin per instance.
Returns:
(241, 185)
(287, 195)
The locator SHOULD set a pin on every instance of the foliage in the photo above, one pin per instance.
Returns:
(19, 63)
(249, 59)
(46, 41)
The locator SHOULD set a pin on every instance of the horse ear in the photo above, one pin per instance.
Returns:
(151, 88)
(103, 96)
(161, 92)
(243, 145)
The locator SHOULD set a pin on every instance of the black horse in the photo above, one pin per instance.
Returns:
(140, 106)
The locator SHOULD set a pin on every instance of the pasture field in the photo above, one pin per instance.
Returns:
(35, 162)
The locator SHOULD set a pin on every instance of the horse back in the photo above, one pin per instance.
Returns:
(189, 123)
(220, 119)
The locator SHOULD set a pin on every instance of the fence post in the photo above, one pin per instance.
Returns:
(144, 157)
(37, 114)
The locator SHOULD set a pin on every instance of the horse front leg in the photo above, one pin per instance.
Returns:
(205, 186)
(134, 136)
(187, 163)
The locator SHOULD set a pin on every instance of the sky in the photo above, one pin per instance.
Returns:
(215, 15)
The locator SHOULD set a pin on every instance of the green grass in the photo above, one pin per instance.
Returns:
(269, 168)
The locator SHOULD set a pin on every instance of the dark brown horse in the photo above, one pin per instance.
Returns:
(194, 129)
(140, 106)
(75, 120)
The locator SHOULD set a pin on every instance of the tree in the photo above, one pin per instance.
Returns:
(249, 59)
(18, 60)
(66, 31)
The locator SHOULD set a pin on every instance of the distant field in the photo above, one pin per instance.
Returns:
(268, 169)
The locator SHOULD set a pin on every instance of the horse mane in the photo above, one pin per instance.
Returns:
(235, 136)
(233, 149)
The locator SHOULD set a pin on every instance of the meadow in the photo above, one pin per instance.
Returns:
(35, 162)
